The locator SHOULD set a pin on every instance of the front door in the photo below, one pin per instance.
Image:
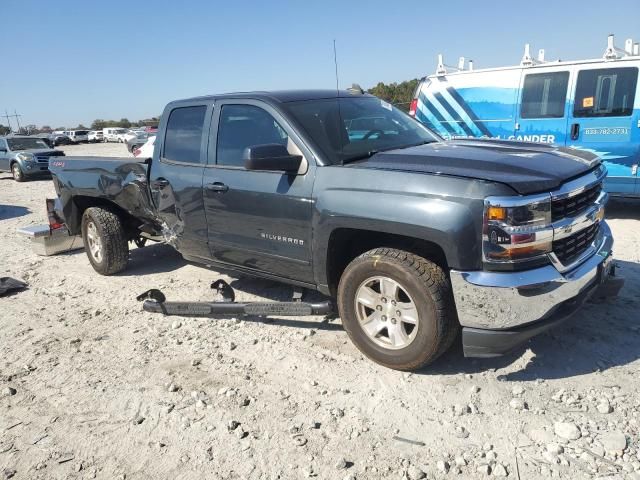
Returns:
(543, 111)
(4, 156)
(176, 178)
(604, 121)
(258, 220)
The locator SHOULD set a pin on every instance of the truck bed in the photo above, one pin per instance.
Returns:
(120, 180)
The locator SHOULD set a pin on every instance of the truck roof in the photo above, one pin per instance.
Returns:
(282, 96)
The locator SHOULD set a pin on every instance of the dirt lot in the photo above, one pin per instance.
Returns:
(92, 387)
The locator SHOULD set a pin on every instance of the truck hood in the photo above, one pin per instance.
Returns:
(527, 168)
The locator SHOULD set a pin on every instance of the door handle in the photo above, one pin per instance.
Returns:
(218, 187)
(160, 183)
(575, 131)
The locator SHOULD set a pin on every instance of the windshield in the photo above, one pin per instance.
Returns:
(355, 128)
(16, 144)
(81, 132)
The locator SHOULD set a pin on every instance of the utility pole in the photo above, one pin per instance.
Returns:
(17, 119)
(6, 115)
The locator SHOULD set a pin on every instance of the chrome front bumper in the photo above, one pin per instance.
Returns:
(508, 300)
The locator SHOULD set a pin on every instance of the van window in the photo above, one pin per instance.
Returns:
(606, 92)
(184, 134)
(544, 95)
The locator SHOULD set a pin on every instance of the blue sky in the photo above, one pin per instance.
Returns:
(66, 62)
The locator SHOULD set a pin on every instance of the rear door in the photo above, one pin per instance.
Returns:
(176, 177)
(258, 220)
(543, 108)
(603, 120)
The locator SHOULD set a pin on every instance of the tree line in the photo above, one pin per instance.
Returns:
(398, 94)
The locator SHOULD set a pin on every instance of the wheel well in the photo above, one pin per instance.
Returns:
(130, 222)
(345, 244)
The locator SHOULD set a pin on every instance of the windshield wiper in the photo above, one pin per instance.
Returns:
(362, 156)
(424, 142)
(371, 153)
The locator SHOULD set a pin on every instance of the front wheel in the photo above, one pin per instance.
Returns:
(105, 240)
(397, 308)
(16, 171)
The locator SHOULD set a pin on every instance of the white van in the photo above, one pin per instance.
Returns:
(591, 105)
(110, 134)
(78, 136)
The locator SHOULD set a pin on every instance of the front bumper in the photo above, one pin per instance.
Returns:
(500, 310)
(36, 170)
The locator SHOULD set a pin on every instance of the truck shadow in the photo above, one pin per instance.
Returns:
(278, 292)
(600, 336)
(12, 211)
(623, 209)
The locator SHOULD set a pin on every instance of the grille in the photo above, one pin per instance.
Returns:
(570, 248)
(572, 206)
(45, 159)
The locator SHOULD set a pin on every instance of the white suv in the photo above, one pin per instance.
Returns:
(95, 136)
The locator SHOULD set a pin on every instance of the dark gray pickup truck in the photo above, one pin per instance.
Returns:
(341, 192)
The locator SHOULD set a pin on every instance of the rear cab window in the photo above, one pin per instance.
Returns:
(183, 135)
(544, 95)
(606, 92)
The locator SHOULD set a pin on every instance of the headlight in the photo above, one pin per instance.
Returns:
(25, 157)
(516, 230)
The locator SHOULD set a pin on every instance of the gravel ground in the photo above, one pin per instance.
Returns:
(93, 387)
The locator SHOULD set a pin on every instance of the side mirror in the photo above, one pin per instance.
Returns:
(273, 157)
(2, 149)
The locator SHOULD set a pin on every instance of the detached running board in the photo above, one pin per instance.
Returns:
(155, 302)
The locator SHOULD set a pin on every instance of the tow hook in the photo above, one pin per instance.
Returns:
(156, 302)
(610, 283)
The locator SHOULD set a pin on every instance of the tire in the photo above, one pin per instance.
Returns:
(421, 292)
(105, 241)
(16, 171)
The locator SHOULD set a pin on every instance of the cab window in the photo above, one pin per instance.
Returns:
(184, 134)
(606, 92)
(243, 126)
(544, 95)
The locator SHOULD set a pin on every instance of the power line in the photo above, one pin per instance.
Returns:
(15, 115)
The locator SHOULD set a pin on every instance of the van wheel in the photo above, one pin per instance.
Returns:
(17, 173)
(397, 308)
(105, 241)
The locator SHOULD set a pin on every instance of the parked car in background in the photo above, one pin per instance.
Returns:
(45, 138)
(95, 136)
(146, 150)
(59, 139)
(110, 134)
(79, 136)
(135, 139)
(25, 156)
(121, 137)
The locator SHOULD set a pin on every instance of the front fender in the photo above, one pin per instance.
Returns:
(446, 211)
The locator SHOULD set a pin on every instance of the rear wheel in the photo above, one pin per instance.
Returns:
(105, 240)
(397, 308)
(16, 171)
